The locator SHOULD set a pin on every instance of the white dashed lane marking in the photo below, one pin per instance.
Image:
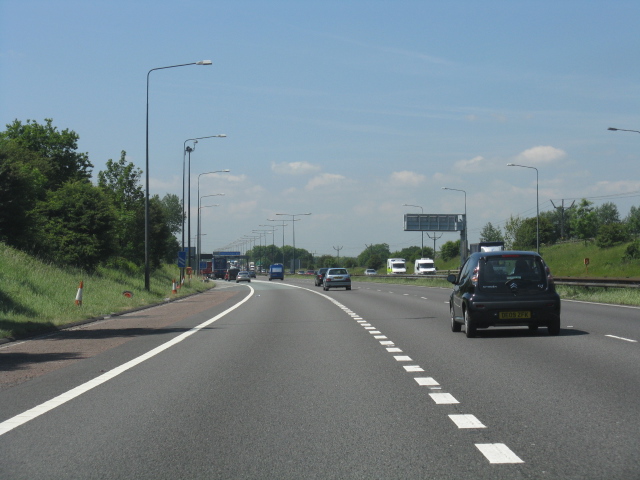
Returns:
(443, 398)
(497, 453)
(466, 421)
(622, 338)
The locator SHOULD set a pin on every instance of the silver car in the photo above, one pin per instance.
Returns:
(336, 277)
(243, 277)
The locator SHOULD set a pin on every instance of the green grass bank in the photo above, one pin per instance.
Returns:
(36, 297)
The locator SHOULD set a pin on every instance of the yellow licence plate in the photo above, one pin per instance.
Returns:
(514, 315)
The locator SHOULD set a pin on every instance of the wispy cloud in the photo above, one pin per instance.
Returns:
(324, 180)
(407, 178)
(541, 155)
(294, 168)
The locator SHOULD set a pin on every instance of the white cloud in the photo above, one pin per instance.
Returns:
(473, 165)
(324, 180)
(294, 168)
(541, 154)
(407, 178)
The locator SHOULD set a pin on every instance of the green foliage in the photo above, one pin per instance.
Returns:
(450, 250)
(633, 251)
(633, 221)
(511, 228)
(489, 233)
(611, 234)
(62, 163)
(381, 250)
(585, 221)
(76, 222)
(375, 261)
(526, 235)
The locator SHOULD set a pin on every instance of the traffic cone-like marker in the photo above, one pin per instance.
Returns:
(79, 294)
(173, 287)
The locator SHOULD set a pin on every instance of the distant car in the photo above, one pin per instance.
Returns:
(300, 272)
(310, 272)
(335, 278)
(243, 277)
(370, 271)
(504, 288)
(320, 276)
(252, 273)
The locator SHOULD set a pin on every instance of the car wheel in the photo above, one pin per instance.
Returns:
(469, 327)
(455, 326)
(554, 327)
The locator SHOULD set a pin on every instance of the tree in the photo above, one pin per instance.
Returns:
(450, 250)
(380, 249)
(527, 235)
(511, 228)
(58, 150)
(489, 233)
(173, 212)
(21, 187)
(633, 221)
(607, 213)
(585, 221)
(375, 262)
(611, 234)
(76, 222)
(122, 184)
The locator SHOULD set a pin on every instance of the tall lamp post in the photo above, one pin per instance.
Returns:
(200, 235)
(283, 225)
(273, 237)
(537, 204)
(422, 231)
(465, 246)
(198, 227)
(262, 232)
(147, 284)
(184, 161)
(189, 150)
(293, 219)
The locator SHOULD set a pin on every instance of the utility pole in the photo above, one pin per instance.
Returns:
(562, 210)
(337, 249)
(434, 238)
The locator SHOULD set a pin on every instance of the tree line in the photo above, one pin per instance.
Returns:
(583, 222)
(51, 209)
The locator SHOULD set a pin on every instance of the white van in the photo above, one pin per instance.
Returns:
(396, 266)
(424, 266)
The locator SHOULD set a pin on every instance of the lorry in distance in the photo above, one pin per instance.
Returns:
(219, 268)
(486, 247)
(396, 266)
(424, 266)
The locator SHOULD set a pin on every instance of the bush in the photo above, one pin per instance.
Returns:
(611, 234)
(633, 251)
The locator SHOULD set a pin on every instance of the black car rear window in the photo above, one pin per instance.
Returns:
(496, 271)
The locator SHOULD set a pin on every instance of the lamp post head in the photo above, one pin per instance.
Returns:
(204, 62)
(612, 129)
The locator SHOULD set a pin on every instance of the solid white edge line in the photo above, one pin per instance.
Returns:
(35, 412)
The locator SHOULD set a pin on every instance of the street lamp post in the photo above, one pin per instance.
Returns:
(184, 161)
(537, 204)
(420, 223)
(273, 236)
(147, 284)
(465, 246)
(261, 232)
(283, 225)
(293, 228)
(198, 226)
(189, 150)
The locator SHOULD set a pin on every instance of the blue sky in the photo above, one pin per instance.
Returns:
(345, 109)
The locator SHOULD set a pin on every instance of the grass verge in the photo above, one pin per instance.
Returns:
(36, 297)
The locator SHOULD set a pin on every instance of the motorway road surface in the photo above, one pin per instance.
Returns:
(282, 380)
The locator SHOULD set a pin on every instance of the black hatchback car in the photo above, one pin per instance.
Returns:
(319, 280)
(505, 288)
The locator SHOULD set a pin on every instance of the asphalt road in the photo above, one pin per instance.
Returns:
(283, 380)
